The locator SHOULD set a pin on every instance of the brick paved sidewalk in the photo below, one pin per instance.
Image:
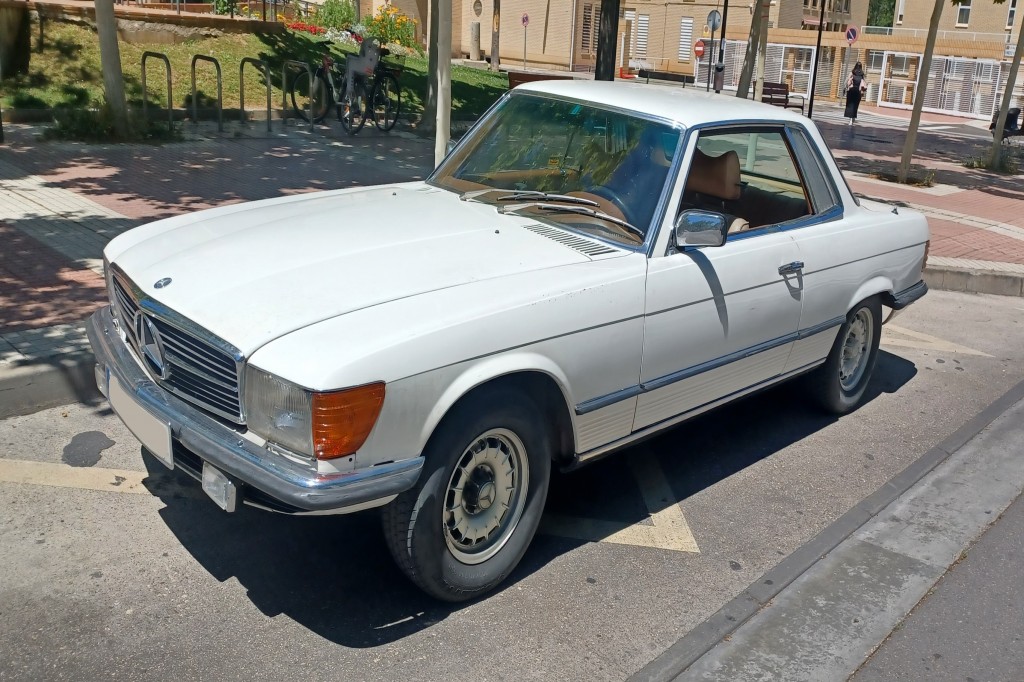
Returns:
(61, 202)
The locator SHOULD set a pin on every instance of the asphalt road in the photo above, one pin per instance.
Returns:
(113, 566)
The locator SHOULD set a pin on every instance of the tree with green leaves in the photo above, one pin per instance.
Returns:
(880, 12)
(921, 90)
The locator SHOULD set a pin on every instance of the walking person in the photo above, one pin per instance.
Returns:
(855, 89)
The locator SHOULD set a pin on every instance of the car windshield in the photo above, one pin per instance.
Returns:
(544, 153)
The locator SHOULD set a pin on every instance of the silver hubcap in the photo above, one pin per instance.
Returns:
(856, 350)
(485, 496)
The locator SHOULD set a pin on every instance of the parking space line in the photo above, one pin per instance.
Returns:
(922, 341)
(665, 528)
(64, 476)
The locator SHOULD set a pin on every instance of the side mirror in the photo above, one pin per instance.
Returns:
(700, 228)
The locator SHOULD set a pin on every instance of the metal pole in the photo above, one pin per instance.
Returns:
(711, 56)
(524, 47)
(817, 56)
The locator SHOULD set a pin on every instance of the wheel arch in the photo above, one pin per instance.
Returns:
(535, 376)
(880, 286)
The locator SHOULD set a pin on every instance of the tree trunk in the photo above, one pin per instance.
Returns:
(607, 36)
(110, 59)
(1004, 106)
(919, 93)
(762, 53)
(444, 79)
(428, 124)
(753, 40)
(495, 35)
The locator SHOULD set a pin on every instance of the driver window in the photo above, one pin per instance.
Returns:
(749, 176)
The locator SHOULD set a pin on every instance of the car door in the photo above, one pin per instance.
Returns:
(720, 321)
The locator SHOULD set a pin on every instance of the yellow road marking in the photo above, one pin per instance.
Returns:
(922, 341)
(667, 528)
(64, 476)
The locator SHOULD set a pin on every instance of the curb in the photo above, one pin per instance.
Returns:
(770, 587)
(974, 281)
(47, 383)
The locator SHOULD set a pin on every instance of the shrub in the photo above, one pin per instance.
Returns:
(390, 26)
(225, 6)
(97, 125)
(340, 14)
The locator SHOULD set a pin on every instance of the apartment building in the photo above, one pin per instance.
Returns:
(971, 16)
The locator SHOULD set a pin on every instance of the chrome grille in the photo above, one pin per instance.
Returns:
(196, 369)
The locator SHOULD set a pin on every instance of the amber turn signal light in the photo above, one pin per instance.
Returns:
(343, 419)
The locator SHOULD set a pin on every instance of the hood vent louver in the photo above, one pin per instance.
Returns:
(584, 246)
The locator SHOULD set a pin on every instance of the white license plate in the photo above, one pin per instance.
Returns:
(152, 432)
(219, 487)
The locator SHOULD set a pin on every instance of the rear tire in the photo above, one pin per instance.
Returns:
(466, 524)
(840, 383)
(387, 102)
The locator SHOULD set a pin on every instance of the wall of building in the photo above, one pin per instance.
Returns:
(985, 16)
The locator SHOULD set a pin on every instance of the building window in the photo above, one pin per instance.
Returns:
(900, 65)
(642, 28)
(963, 13)
(587, 34)
(685, 39)
(874, 60)
(899, 11)
(1011, 14)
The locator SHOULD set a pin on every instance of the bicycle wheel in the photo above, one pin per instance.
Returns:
(302, 103)
(387, 102)
(354, 118)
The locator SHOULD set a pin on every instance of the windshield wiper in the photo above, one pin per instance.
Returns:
(580, 210)
(532, 195)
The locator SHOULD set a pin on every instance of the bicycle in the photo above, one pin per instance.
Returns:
(378, 97)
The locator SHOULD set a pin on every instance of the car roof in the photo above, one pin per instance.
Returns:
(688, 106)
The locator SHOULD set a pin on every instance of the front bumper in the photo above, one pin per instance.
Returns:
(296, 487)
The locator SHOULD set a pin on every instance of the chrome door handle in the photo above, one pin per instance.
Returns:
(795, 266)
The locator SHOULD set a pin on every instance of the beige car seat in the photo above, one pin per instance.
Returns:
(718, 177)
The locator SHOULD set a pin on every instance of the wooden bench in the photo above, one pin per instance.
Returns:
(777, 94)
(516, 78)
(667, 76)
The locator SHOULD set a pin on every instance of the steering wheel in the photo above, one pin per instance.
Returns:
(615, 199)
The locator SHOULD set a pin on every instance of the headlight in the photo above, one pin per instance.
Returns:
(323, 424)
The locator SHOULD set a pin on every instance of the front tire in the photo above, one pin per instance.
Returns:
(840, 383)
(318, 103)
(468, 521)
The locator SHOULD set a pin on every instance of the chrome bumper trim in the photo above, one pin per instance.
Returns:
(222, 447)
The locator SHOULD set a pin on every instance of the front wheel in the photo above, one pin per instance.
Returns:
(352, 111)
(306, 102)
(468, 521)
(840, 383)
(387, 102)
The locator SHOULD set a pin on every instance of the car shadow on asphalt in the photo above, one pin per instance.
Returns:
(334, 575)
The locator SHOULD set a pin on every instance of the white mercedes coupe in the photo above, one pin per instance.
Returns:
(592, 263)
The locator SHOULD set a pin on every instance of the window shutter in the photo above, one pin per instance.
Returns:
(685, 38)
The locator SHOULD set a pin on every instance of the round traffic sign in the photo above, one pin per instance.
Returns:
(714, 19)
(698, 49)
(526, 19)
(851, 34)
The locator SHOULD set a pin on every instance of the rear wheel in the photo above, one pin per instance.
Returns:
(353, 114)
(840, 383)
(387, 102)
(468, 521)
(304, 104)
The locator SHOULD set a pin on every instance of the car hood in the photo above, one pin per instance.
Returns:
(251, 273)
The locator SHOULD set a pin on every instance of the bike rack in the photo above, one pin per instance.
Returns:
(265, 68)
(170, 101)
(284, 85)
(220, 92)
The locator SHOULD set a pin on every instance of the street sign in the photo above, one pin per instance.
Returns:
(526, 19)
(851, 34)
(714, 19)
(698, 49)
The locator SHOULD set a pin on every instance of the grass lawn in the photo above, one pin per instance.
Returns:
(66, 73)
